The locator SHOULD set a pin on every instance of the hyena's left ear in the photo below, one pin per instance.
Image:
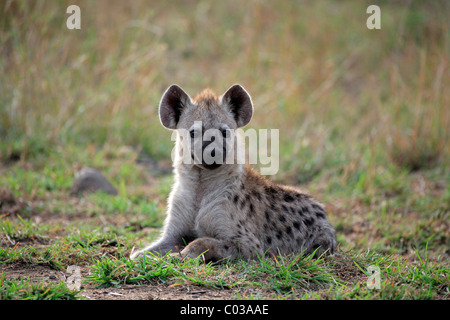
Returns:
(173, 101)
(240, 104)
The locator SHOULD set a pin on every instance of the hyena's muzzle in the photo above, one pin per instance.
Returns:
(209, 150)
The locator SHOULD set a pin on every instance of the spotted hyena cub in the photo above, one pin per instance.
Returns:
(225, 209)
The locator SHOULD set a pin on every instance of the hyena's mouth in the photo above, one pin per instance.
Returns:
(204, 165)
(211, 166)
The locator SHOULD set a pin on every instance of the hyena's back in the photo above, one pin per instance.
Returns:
(279, 219)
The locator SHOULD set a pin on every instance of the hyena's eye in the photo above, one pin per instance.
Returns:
(193, 133)
(225, 133)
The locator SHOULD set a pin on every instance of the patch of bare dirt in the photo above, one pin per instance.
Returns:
(17, 271)
(157, 292)
(10, 204)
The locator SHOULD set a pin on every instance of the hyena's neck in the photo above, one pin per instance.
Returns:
(193, 175)
(198, 185)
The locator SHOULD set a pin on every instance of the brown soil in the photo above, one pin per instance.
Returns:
(9, 203)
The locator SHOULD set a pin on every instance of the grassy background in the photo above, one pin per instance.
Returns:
(363, 118)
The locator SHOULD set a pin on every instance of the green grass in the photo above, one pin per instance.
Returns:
(295, 277)
(26, 289)
(19, 230)
(272, 275)
(363, 118)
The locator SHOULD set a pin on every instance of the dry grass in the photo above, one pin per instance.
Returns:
(306, 66)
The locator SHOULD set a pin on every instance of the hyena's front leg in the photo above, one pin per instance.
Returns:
(161, 246)
(176, 234)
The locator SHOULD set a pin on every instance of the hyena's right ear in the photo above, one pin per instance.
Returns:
(173, 101)
(240, 104)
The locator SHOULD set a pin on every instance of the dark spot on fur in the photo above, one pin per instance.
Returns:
(242, 204)
(320, 215)
(300, 212)
(257, 195)
(226, 247)
(288, 198)
(271, 191)
(304, 209)
(296, 225)
(279, 235)
(289, 230)
(251, 208)
(268, 240)
(309, 221)
(282, 218)
(285, 209)
(236, 198)
(267, 216)
(320, 212)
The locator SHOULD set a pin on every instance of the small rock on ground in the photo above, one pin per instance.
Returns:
(90, 180)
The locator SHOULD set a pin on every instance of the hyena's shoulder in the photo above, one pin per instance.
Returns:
(267, 201)
(254, 184)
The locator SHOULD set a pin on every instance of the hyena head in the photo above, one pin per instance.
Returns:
(205, 126)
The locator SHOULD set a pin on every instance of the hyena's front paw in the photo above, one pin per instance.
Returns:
(149, 254)
(158, 248)
(143, 253)
(137, 254)
(210, 249)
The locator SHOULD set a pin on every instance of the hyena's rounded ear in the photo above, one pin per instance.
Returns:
(240, 104)
(172, 103)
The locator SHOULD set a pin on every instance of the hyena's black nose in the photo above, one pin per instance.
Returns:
(211, 151)
(207, 143)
